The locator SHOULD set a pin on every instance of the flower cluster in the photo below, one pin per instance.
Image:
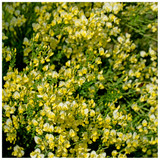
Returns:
(87, 90)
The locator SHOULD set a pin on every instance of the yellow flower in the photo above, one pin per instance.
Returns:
(101, 51)
(18, 151)
(50, 155)
(8, 58)
(144, 123)
(107, 119)
(72, 133)
(45, 68)
(120, 39)
(37, 140)
(26, 41)
(114, 153)
(67, 144)
(93, 154)
(98, 60)
(92, 113)
(100, 77)
(135, 107)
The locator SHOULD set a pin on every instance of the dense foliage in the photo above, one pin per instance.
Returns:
(80, 79)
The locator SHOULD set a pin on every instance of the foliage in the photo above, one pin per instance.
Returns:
(80, 79)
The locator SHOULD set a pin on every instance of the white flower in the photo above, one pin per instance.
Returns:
(134, 135)
(16, 95)
(86, 111)
(37, 139)
(35, 123)
(60, 105)
(6, 107)
(41, 156)
(50, 155)
(100, 77)
(61, 83)
(93, 154)
(102, 155)
(154, 7)
(139, 127)
(72, 133)
(143, 53)
(101, 51)
(135, 107)
(108, 119)
(106, 132)
(54, 74)
(113, 132)
(46, 127)
(39, 96)
(25, 41)
(49, 137)
(109, 24)
(149, 87)
(8, 122)
(35, 153)
(116, 114)
(84, 19)
(120, 39)
(117, 7)
(38, 150)
(152, 117)
(107, 7)
(63, 114)
(92, 113)
(18, 151)
(144, 123)
(151, 51)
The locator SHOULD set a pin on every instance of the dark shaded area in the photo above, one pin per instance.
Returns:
(27, 143)
(94, 146)
(25, 30)
(59, 60)
(101, 92)
(5, 144)
(23, 141)
(5, 66)
(138, 153)
(109, 150)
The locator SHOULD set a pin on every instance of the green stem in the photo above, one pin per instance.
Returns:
(141, 33)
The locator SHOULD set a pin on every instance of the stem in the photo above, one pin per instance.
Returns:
(141, 33)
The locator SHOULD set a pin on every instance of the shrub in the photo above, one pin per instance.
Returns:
(80, 79)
